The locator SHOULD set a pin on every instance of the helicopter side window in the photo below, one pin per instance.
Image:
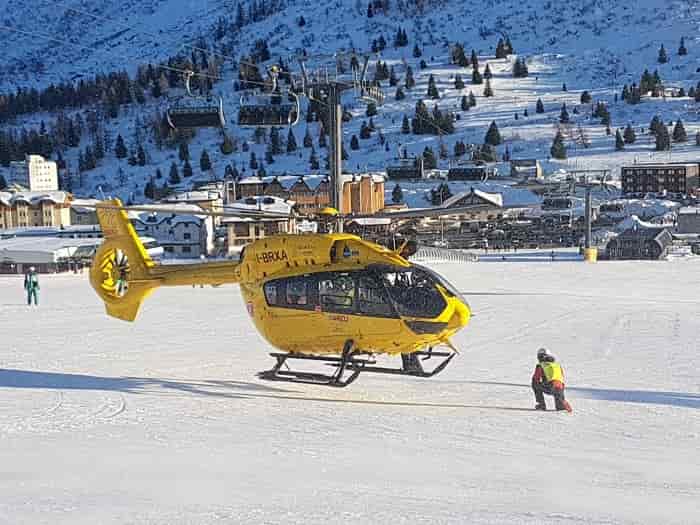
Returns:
(337, 293)
(271, 293)
(297, 292)
(372, 299)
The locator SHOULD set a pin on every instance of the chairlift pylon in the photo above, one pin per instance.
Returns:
(192, 111)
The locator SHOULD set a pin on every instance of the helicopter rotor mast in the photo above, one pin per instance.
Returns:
(333, 89)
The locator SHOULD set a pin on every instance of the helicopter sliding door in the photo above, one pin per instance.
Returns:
(334, 306)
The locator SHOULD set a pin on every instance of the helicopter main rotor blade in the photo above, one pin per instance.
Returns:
(225, 211)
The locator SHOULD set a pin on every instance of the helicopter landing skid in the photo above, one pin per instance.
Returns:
(348, 361)
(412, 365)
(351, 362)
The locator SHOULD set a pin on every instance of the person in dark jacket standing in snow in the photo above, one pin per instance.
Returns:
(31, 285)
(548, 378)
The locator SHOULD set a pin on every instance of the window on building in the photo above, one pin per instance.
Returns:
(186, 249)
(187, 236)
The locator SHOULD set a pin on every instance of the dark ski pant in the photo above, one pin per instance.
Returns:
(32, 295)
(541, 389)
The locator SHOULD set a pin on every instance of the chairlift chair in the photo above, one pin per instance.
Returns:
(193, 111)
(271, 109)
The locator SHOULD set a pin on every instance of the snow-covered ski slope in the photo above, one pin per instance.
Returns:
(164, 422)
(588, 45)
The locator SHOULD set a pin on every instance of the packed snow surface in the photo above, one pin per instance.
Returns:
(164, 421)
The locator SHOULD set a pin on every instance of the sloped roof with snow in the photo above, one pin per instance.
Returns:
(495, 199)
(33, 197)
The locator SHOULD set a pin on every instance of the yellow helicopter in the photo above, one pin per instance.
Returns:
(333, 298)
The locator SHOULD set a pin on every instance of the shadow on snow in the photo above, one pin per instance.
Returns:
(648, 397)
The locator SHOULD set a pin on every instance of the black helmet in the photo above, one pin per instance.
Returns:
(544, 355)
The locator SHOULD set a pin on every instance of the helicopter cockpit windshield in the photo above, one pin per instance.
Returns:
(413, 291)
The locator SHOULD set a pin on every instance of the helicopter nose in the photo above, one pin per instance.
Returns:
(461, 315)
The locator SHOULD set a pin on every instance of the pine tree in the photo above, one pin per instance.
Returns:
(405, 126)
(397, 194)
(354, 143)
(663, 140)
(400, 95)
(619, 143)
(3, 182)
(371, 109)
(120, 148)
(432, 88)
(183, 151)
(629, 135)
(275, 143)
(253, 162)
(558, 149)
(159, 174)
(204, 162)
(487, 72)
(488, 91)
(474, 60)
(679, 134)
(564, 88)
(148, 190)
(174, 177)
(308, 141)
(227, 145)
(655, 125)
(586, 97)
(393, 79)
(663, 57)
(493, 135)
(459, 83)
(472, 100)
(313, 160)
(187, 169)
(269, 157)
(564, 115)
(417, 53)
(429, 160)
(410, 81)
(141, 156)
(501, 49)
(476, 76)
(682, 50)
(539, 108)
(464, 103)
(365, 132)
(291, 142)
(697, 142)
(370, 11)
(509, 47)
(520, 68)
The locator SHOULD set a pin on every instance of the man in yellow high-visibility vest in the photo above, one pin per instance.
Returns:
(548, 378)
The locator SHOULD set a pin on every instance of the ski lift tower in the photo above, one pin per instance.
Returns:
(589, 179)
(327, 88)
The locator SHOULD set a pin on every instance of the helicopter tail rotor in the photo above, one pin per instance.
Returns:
(123, 273)
(119, 272)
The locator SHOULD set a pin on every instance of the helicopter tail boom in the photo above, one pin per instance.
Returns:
(123, 273)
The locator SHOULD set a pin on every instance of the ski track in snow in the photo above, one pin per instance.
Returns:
(164, 421)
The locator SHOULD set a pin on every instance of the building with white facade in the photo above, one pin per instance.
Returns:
(34, 173)
(34, 208)
(183, 235)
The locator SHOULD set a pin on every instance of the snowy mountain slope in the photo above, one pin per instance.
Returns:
(164, 422)
(587, 45)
